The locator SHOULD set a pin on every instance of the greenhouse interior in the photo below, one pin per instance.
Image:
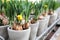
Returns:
(29, 19)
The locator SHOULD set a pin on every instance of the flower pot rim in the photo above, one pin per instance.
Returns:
(53, 14)
(42, 19)
(18, 30)
(3, 26)
(47, 16)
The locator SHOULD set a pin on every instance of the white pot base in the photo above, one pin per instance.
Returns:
(19, 35)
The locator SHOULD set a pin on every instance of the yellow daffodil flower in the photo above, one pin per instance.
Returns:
(45, 6)
(19, 17)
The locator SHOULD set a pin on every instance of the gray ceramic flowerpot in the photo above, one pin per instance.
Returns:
(34, 29)
(52, 18)
(4, 32)
(19, 35)
(42, 26)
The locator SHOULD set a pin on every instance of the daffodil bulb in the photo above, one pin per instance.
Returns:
(41, 17)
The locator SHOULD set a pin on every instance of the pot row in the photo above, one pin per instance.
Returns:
(31, 33)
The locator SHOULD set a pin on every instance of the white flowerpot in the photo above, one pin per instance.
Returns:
(52, 18)
(4, 32)
(58, 13)
(42, 26)
(34, 29)
(47, 21)
(19, 35)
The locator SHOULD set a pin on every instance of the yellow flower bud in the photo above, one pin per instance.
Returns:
(3, 1)
(19, 17)
(45, 6)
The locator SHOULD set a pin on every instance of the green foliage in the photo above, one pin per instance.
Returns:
(57, 4)
(0, 11)
(9, 8)
(27, 10)
(1, 6)
(45, 3)
(14, 8)
(52, 4)
(37, 9)
(18, 7)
